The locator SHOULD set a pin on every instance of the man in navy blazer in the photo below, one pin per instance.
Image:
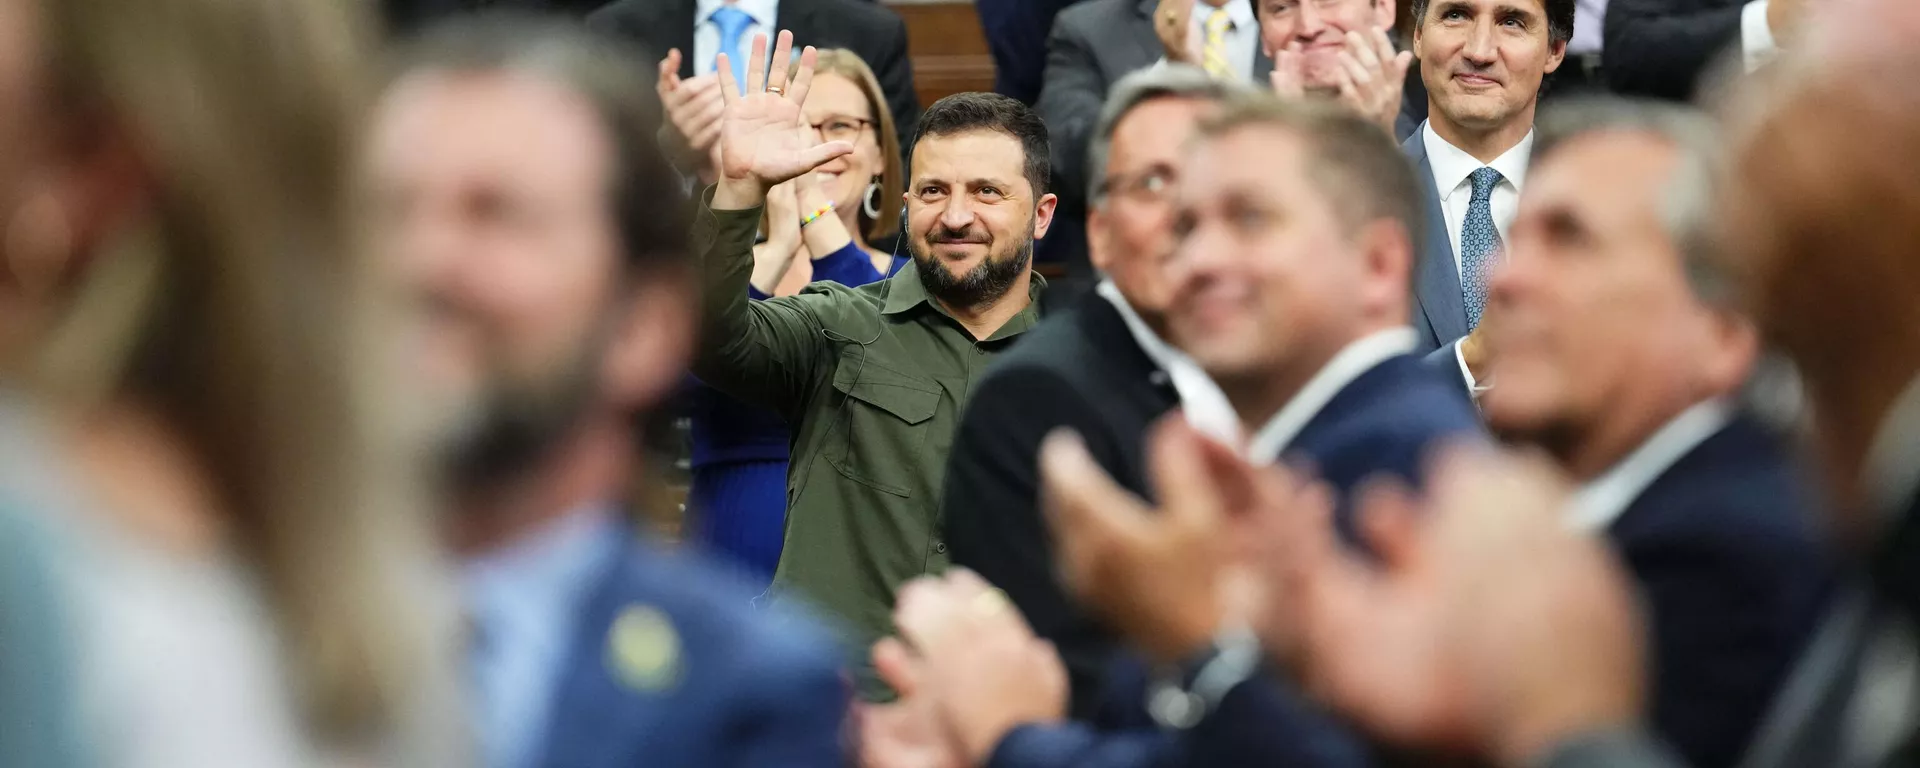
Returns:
(1616, 355)
(543, 236)
(1482, 62)
(1290, 297)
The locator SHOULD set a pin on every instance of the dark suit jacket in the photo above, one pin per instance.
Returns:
(1385, 422)
(871, 30)
(1661, 48)
(1439, 312)
(751, 689)
(1723, 548)
(1080, 369)
(406, 16)
(1016, 33)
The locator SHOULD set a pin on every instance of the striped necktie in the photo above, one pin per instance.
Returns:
(1214, 56)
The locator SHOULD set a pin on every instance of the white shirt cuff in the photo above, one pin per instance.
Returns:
(1466, 374)
(1756, 36)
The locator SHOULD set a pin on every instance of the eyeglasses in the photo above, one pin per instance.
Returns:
(1149, 185)
(841, 128)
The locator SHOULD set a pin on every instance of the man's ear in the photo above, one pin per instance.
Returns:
(1388, 252)
(1556, 53)
(652, 340)
(1383, 13)
(1043, 215)
(81, 194)
(1099, 243)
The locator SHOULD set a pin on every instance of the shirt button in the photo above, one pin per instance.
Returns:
(939, 547)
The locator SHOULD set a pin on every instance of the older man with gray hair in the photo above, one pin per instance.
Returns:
(1100, 368)
(1619, 356)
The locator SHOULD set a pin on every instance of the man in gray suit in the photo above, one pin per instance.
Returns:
(1095, 43)
(1482, 62)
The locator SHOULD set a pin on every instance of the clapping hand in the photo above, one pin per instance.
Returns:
(1372, 76)
(759, 143)
(1172, 24)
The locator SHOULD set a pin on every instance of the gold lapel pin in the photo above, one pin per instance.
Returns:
(643, 649)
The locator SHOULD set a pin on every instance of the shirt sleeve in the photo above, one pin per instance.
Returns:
(763, 352)
(1466, 374)
(1757, 46)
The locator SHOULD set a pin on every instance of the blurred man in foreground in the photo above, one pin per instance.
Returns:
(541, 229)
(1619, 359)
(1102, 368)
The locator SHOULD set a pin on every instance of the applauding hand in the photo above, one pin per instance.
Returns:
(759, 143)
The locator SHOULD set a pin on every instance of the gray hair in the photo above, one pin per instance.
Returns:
(1170, 81)
(1686, 210)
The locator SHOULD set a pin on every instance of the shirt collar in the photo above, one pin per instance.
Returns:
(1601, 500)
(1202, 403)
(1452, 165)
(1240, 13)
(763, 11)
(1892, 476)
(544, 573)
(904, 292)
(1349, 363)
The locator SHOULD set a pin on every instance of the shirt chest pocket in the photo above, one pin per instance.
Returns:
(884, 416)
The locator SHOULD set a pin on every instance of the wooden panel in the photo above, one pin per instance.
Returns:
(948, 48)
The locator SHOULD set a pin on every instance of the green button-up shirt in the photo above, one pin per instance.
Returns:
(871, 380)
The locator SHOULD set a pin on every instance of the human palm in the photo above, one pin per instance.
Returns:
(760, 138)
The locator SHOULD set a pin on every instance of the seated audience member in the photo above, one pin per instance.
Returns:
(1483, 62)
(1291, 294)
(1096, 43)
(693, 33)
(191, 412)
(871, 379)
(738, 498)
(1668, 48)
(1530, 627)
(1618, 357)
(1102, 367)
(542, 233)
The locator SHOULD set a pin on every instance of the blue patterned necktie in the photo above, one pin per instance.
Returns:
(732, 23)
(1479, 244)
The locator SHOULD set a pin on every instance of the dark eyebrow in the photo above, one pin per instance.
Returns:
(1514, 10)
(1443, 8)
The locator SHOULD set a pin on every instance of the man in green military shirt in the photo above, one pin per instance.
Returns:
(872, 379)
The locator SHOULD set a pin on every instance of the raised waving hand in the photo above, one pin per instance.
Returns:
(759, 143)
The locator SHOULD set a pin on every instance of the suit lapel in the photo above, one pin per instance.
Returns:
(601, 718)
(1436, 278)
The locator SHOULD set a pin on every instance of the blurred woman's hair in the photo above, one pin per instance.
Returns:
(847, 64)
(238, 307)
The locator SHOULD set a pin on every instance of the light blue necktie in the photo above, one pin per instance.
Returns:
(732, 23)
(1479, 244)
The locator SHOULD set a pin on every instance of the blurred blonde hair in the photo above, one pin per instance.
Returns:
(847, 64)
(240, 308)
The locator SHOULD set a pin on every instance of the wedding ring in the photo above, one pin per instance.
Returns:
(989, 603)
(775, 90)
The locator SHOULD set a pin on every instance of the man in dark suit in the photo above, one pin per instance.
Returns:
(1095, 43)
(1471, 155)
(702, 29)
(406, 16)
(1016, 32)
(1623, 370)
(1666, 48)
(1098, 367)
(589, 646)
(1290, 297)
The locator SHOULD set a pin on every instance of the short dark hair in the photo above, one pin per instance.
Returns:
(1559, 18)
(964, 112)
(1366, 177)
(649, 203)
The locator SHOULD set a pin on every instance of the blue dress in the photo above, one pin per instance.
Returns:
(737, 503)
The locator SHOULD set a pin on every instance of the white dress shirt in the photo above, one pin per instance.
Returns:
(1356, 358)
(1757, 46)
(1452, 169)
(1452, 172)
(706, 34)
(1201, 401)
(1242, 36)
(1601, 500)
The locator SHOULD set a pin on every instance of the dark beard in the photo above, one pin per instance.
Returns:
(980, 286)
(519, 423)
